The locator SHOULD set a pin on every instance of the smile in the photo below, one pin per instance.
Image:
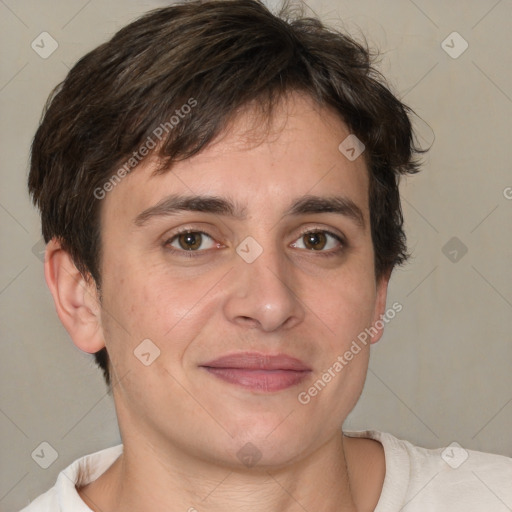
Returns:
(259, 372)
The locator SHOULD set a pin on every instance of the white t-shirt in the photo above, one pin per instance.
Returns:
(417, 479)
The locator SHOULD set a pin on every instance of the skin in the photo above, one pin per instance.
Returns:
(182, 427)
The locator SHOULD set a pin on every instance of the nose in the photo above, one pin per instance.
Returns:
(264, 293)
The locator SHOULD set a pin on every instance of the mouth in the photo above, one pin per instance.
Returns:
(259, 372)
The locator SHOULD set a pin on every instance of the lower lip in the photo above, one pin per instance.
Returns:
(260, 380)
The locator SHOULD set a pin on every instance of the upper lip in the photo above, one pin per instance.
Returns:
(258, 361)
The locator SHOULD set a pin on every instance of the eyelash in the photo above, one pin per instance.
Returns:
(198, 253)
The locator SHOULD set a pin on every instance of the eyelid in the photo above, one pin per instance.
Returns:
(334, 233)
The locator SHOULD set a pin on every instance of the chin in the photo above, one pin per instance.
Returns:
(267, 444)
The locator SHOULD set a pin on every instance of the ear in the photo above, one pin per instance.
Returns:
(380, 307)
(76, 299)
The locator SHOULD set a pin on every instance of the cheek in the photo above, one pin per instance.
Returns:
(136, 311)
(344, 304)
(152, 304)
(128, 308)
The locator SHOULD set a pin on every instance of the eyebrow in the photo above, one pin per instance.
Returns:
(175, 204)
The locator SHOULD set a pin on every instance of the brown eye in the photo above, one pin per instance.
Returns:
(315, 241)
(191, 241)
(321, 241)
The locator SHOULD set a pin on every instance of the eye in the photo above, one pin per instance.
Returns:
(188, 242)
(191, 241)
(319, 241)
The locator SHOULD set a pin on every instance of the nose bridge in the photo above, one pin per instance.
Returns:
(264, 291)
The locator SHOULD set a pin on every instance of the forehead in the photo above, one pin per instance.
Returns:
(257, 164)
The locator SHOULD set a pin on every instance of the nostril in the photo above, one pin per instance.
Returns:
(249, 320)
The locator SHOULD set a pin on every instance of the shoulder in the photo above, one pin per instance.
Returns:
(474, 479)
(418, 478)
(63, 496)
(46, 502)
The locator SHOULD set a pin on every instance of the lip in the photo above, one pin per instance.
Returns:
(259, 372)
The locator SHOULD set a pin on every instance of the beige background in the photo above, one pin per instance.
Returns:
(442, 371)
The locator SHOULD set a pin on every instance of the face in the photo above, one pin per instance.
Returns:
(246, 299)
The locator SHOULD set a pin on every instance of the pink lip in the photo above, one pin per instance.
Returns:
(259, 372)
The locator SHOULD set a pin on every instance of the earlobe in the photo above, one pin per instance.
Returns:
(380, 307)
(76, 299)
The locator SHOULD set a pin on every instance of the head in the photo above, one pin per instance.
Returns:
(226, 100)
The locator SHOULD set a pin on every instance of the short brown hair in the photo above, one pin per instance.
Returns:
(224, 54)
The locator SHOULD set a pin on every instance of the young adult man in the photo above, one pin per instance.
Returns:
(219, 193)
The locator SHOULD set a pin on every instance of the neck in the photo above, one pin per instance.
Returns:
(151, 476)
